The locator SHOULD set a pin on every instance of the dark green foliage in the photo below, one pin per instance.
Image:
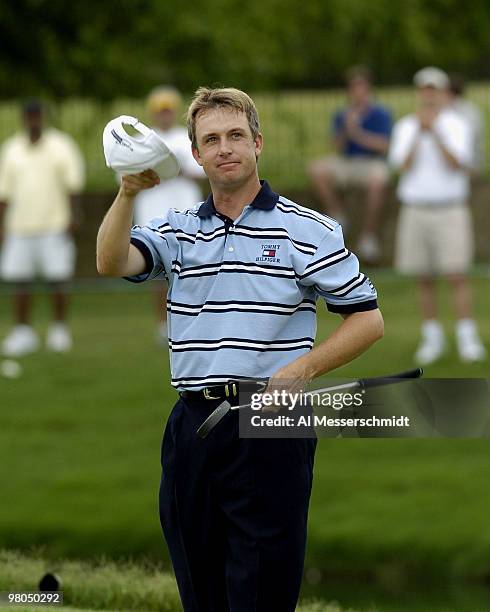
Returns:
(123, 47)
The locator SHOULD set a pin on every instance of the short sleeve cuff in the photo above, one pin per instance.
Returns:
(149, 263)
(350, 308)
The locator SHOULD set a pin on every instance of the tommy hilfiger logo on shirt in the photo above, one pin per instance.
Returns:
(269, 252)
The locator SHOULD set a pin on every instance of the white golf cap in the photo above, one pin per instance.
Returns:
(128, 154)
(431, 77)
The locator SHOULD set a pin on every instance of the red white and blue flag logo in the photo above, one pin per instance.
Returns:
(268, 252)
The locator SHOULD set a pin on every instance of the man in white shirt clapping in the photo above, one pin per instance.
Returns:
(432, 150)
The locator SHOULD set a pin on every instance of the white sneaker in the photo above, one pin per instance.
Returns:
(470, 347)
(432, 344)
(22, 340)
(162, 335)
(59, 338)
(368, 248)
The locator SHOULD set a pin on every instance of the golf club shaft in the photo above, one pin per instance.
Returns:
(364, 383)
(215, 417)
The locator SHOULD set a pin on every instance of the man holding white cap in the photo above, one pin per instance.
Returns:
(243, 284)
(432, 149)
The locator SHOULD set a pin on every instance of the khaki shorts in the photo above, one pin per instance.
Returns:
(434, 240)
(354, 170)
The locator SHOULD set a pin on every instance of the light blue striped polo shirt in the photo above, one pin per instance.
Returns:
(242, 294)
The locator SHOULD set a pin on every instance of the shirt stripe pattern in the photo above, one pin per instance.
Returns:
(242, 293)
(290, 208)
(242, 344)
(239, 306)
(250, 232)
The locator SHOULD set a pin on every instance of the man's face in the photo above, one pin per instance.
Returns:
(226, 148)
(33, 120)
(431, 97)
(359, 91)
(164, 119)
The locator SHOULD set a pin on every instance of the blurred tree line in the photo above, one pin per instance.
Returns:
(111, 48)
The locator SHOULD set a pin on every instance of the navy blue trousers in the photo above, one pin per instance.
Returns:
(234, 513)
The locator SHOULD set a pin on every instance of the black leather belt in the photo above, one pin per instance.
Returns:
(229, 391)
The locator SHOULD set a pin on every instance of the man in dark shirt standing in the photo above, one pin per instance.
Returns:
(361, 135)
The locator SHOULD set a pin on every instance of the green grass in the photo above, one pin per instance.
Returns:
(295, 124)
(80, 440)
(105, 585)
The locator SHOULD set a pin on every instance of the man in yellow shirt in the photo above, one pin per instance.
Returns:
(41, 172)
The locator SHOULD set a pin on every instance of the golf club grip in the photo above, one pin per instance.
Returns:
(366, 383)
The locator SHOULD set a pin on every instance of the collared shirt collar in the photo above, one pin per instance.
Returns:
(266, 199)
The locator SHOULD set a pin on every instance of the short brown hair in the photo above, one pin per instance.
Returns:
(206, 98)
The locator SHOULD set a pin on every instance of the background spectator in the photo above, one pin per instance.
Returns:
(473, 115)
(41, 170)
(164, 104)
(433, 150)
(361, 134)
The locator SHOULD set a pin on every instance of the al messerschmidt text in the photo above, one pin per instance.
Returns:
(313, 420)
